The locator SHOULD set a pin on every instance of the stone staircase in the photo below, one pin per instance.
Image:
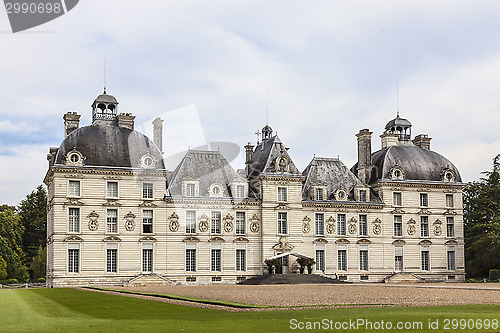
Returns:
(148, 280)
(290, 279)
(403, 277)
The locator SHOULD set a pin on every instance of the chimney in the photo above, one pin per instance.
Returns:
(71, 122)
(249, 158)
(423, 141)
(158, 133)
(364, 155)
(126, 120)
(389, 139)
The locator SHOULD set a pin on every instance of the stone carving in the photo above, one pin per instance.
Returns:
(228, 223)
(281, 164)
(93, 224)
(203, 226)
(411, 227)
(129, 221)
(283, 245)
(352, 226)
(306, 225)
(377, 228)
(174, 222)
(73, 202)
(438, 230)
(330, 225)
(254, 227)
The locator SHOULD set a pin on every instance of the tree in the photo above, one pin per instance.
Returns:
(37, 267)
(15, 268)
(3, 269)
(12, 230)
(482, 222)
(33, 215)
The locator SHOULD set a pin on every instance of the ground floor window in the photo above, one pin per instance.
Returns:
(320, 260)
(147, 260)
(216, 260)
(425, 258)
(342, 259)
(451, 258)
(398, 258)
(191, 260)
(363, 258)
(111, 260)
(241, 260)
(74, 260)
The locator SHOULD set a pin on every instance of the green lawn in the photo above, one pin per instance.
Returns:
(69, 310)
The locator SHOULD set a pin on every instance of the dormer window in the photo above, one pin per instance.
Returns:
(191, 187)
(239, 188)
(449, 176)
(74, 158)
(216, 190)
(397, 173)
(319, 193)
(240, 191)
(341, 195)
(190, 190)
(362, 195)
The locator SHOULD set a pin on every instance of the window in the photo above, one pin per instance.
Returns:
(424, 226)
(282, 194)
(362, 195)
(282, 223)
(319, 193)
(111, 260)
(74, 220)
(363, 225)
(216, 225)
(398, 258)
(112, 189)
(398, 225)
(241, 260)
(342, 259)
(147, 221)
(240, 223)
(112, 220)
(147, 258)
(449, 201)
(190, 260)
(190, 222)
(240, 191)
(450, 226)
(341, 224)
(190, 190)
(73, 258)
(74, 188)
(320, 224)
(424, 200)
(397, 199)
(451, 258)
(320, 260)
(363, 258)
(216, 259)
(147, 190)
(424, 253)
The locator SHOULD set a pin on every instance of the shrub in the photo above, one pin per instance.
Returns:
(9, 281)
(494, 274)
(41, 280)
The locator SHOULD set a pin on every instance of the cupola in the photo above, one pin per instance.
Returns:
(105, 107)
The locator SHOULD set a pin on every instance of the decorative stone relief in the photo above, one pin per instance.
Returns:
(283, 245)
(129, 221)
(352, 226)
(438, 230)
(377, 228)
(93, 224)
(228, 223)
(411, 227)
(73, 202)
(203, 226)
(330, 225)
(306, 225)
(254, 227)
(174, 222)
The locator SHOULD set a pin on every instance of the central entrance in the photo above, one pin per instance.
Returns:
(287, 262)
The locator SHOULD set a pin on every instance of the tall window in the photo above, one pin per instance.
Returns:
(282, 223)
(320, 224)
(362, 195)
(190, 221)
(74, 260)
(216, 260)
(449, 201)
(240, 223)
(341, 224)
(190, 260)
(320, 259)
(74, 220)
(241, 265)
(451, 258)
(112, 220)
(363, 258)
(190, 190)
(147, 259)
(397, 199)
(424, 253)
(147, 221)
(363, 225)
(282, 194)
(216, 223)
(342, 259)
(424, 200)
(319, 193)
(424, 226)
(398, 258)
(111, 260)
(147, 190)
(450, 226)
(112, 190)
(240, 191)
(398, 225)
(74, 188)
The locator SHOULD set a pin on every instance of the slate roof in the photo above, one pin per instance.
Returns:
(265, 155)
(109, 145)
(209, 167)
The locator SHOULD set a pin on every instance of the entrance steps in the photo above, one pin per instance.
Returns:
(148, 280)
(403, 277)
(290, 279)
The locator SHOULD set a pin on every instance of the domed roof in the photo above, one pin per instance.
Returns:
(267, 128)
(105, 98)
(108, 145)
(398, 122)
(415, 163)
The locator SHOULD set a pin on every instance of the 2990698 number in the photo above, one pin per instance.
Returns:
(470, 324)
(32, 8)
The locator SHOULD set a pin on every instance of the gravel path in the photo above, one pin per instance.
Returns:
(343, 295)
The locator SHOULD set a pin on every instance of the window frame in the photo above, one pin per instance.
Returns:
(74, 260)
(216, 260)
(342, 225)
(424, 200)
(425, 259)
(240, 223)
(319, 193)
(190, 222)
(240, 191)
(111, 188)
(190, 189)
(147, 260)
(397, 199)
(147, 193)
(71, 189)
(240, 260)
(319, 224)
(450, 227)
(282, 194)
(215, 222)
(147, 221)
(74, 220)
(111, 221)
(398, 226)
(363, 225)
(190, 260)
(342, 260)
(449, 201)
(111, 260)
(363, 260)
(453, 266)
(282, 227)
(424, 226)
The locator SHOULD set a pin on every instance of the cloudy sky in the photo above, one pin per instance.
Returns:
(330, 68)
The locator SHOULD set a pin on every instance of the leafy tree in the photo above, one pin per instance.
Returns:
(33, 215)
(482, 222)
(37, 267)
(12, 230)
(3, 269)
(14, 268)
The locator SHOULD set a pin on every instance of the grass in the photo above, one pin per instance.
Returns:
(71, 310)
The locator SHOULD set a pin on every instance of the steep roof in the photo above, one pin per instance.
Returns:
(265, 157)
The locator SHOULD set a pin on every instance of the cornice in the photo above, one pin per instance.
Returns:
(363, 206)
(420, 185)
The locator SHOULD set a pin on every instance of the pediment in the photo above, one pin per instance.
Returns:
(342, 241)
(147, 239)
(73, 238)
(451, 242)
(190, 239)
(241, 239)
(112, 239)
(216, 239)
(399, 242)
(364, 241)
(425, 242)
(320, 241)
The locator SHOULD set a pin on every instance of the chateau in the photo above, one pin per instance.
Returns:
(117, 216)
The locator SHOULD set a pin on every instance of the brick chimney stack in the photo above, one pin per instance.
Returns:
(364, 155)
(158, 133)
(423, 141)
(71, 122)
(126, 120)
(249, 158)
